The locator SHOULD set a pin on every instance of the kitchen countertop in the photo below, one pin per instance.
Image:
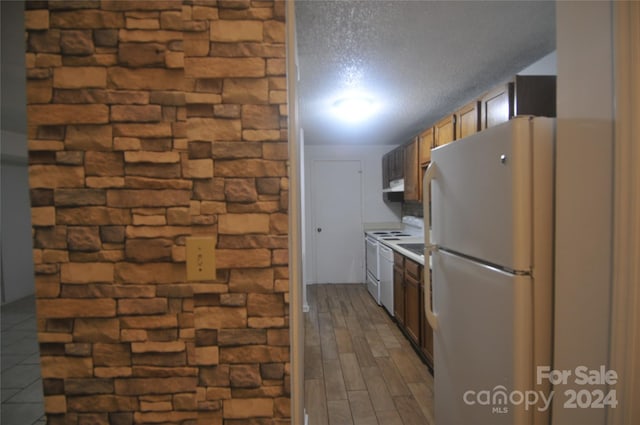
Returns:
(409, 254)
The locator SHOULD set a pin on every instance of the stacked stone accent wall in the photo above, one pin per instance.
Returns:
(149, 122)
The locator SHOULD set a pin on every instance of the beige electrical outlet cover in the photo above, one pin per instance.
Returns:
(201, 260)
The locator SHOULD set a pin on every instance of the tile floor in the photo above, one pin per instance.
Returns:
(21, 385)
(359, 367)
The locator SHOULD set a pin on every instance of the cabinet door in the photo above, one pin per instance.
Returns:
(398, 294)
(497, 106)
(468, 120)
(411, 187)
(385, 171)
(445, 131)
(412, 269)
(398, 163)
(426, 333)
(398, 286)
(425, 144)
(412, 308)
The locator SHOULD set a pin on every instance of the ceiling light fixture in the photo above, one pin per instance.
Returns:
(354, 109)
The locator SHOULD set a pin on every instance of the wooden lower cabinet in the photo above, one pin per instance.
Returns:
(398, 288)
(412, 308)
(426, 333)
(409, 305)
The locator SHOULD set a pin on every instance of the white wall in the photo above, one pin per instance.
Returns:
(15, 224)
(374, 208)
(16, 265)
(547, 65)
(583, 197)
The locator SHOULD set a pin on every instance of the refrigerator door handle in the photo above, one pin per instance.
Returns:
(428, 247)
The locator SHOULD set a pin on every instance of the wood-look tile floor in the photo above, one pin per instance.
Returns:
(359, 367)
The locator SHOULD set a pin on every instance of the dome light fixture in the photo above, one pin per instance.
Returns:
(354, 109)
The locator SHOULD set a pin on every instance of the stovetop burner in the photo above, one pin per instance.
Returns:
(385, 234)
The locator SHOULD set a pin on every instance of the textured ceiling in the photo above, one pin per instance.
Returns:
(418, 59)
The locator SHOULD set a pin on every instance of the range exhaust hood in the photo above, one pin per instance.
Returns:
(395, 186)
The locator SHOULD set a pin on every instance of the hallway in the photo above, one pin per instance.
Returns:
(359, 368)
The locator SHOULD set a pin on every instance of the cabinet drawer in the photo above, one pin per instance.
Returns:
(412, 269)
(398, 259)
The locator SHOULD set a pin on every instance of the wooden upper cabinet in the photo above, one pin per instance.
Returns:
(445, 131)
(468, 120)
(396, 163)
(526, 95)
(425, 144)
(497, 106)
(385, 171)
(392, 166)
(411, 172)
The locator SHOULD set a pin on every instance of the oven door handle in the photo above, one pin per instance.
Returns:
(384, 248)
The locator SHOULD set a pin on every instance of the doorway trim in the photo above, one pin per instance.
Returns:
(625, 309)
(296, 316)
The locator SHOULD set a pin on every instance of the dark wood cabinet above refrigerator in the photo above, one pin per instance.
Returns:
(523, 95)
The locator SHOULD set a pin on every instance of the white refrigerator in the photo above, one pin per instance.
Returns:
(491, 248)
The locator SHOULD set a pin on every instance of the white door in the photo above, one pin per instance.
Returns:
(337, 216)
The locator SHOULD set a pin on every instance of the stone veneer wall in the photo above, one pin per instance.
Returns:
(152, 121)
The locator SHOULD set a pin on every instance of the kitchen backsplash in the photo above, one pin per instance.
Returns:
(412, 208)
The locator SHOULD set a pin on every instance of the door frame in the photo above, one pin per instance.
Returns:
(313, 209)
(625, 309)
(626, 281)
(296, 315)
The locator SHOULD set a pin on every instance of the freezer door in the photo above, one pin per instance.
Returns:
(482, 195)
(483, 343)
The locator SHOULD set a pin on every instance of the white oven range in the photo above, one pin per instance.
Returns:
(379, 258)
